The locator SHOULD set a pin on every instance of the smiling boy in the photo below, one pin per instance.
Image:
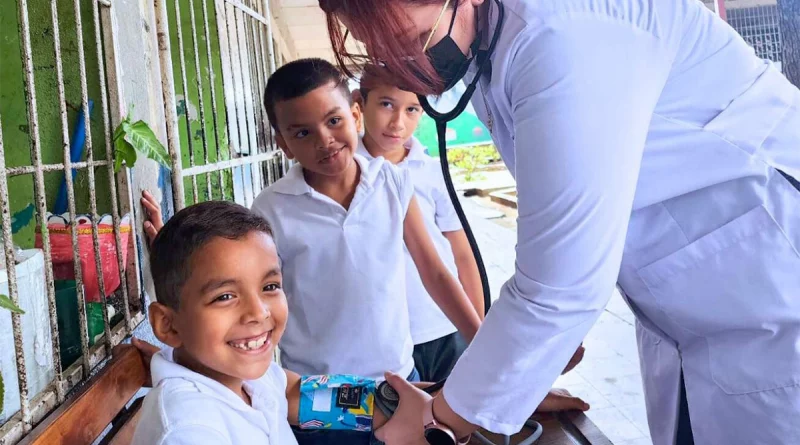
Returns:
(221, 310)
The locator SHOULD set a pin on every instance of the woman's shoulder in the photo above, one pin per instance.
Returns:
(536, 15)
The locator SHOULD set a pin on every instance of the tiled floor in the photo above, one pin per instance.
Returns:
(608, 378)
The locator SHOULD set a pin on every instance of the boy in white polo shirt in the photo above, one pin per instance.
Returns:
(221, 310)
(345, 219)
(390, 117)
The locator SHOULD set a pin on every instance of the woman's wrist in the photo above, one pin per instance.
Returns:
(446, 416)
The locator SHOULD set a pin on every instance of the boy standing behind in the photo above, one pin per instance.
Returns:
(390, 117)
(340, 224)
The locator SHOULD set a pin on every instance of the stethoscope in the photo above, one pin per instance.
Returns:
(441, 119)
(386, 398)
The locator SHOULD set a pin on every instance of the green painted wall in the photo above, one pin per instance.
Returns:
(189, 107)
(16, 127)
(466, 129)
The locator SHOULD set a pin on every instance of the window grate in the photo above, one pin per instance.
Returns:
(76, 38)
(759, 26)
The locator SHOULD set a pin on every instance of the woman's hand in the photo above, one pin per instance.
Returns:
(405, 426)
(561, 400)
(154, 222)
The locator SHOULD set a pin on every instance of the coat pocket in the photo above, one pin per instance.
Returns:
(750, 118)
(739, 288)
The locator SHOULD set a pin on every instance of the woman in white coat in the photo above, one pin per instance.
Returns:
(651, 149)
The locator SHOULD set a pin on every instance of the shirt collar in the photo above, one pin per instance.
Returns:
(416, 151)
(294, 182)
(163, 367)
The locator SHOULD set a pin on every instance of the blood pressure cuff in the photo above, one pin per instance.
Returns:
(336, 402)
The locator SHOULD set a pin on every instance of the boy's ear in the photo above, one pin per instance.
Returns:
(358, 116)
(162, 320)
(282, 145)
(357, 97)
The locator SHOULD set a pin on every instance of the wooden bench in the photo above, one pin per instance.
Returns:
(569, 428)
(101, 402)
(104, 399)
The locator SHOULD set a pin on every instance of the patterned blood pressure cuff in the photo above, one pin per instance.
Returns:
(336, 402)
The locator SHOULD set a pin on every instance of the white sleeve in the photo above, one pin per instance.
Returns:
(583, 90)
(446, 216)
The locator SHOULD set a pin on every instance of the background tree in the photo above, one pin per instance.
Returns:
(789, 12)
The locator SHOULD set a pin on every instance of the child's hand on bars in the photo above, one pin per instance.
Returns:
(154, 222)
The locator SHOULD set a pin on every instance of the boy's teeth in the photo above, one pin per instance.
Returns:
(252, 344)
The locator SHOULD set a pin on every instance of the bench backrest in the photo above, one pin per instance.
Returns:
(84, 416)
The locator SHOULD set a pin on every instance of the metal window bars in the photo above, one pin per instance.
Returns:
(759, 26)
(242, 49)
(34, 406)
(230, 155)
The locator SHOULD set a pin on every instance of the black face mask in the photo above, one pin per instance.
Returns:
(447, 59)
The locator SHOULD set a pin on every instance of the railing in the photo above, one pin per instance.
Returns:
(215, 57)
(36, 401)
(244, 44)
(758, 25)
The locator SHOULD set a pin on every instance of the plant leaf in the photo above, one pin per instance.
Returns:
(123, 151)
(142, 138)
(120, 131)
(6, 303)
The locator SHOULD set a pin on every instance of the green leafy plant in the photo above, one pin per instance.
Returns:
(470, 159)
(137, 138)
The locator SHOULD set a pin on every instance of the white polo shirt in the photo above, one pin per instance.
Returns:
(428, 322)
(186, 408)
(343, 273)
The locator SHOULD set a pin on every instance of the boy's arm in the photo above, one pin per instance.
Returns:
(439, 283)
(468, 273)
(556, 400)
(293, 396)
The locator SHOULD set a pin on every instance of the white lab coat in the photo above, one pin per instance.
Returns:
(646, 138)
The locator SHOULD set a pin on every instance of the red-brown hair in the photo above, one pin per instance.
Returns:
(382, 26)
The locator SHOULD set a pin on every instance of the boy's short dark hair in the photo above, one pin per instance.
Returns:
(372, 77)
(298, 78)
(186, 233)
